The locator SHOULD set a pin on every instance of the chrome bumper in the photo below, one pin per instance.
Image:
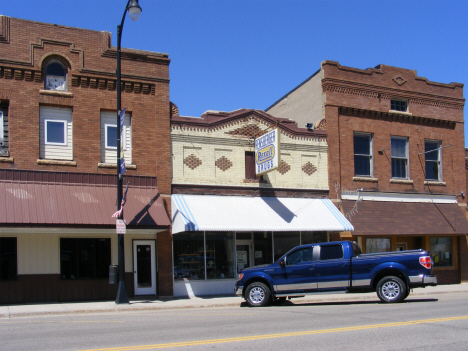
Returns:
(423, 279)
(238, 290)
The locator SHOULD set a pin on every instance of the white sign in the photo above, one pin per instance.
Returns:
(267, 152)
(121, 227)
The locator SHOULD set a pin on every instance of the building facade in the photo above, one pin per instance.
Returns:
(224, 216)
(58, 162)
(395, 157)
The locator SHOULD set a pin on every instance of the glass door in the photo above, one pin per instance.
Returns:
(244, 253)
(144, 265)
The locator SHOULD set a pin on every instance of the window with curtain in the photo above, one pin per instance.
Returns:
(432, 155)
(399, 156)
(363, 165)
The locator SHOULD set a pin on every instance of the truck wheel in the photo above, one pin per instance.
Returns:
(257, 294)
(391, 289)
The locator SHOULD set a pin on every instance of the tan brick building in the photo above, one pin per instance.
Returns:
(226, 217)
(58, 165)
(395, 157)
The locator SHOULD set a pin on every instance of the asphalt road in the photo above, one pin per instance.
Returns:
(436, 323)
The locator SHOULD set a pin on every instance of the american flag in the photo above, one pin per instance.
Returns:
(124, 200)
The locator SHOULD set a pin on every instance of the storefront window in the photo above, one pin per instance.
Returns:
(84, 258)
(442, 252)
(263, 248)
(189, 258)
(378, 245)
(8, 259)
(313, 237)
(284, 241)
(220, 260)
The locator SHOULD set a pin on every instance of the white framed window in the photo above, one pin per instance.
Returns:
(363, 155)
(55, 132)
(399, 155)
(110, 131)
(109, 138)
(433, 157)
(399, 105)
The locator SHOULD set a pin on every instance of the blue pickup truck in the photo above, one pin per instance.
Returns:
(333, 267)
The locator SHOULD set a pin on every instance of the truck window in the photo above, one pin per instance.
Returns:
(299, 256)
(331, 252)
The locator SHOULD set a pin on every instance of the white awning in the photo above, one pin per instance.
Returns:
(246, 214)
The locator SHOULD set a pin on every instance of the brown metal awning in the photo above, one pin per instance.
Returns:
(406, 218)
(25, 203)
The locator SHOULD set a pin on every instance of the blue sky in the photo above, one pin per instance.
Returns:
(230, 54)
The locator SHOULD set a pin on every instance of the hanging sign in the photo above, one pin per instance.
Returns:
(267, 152)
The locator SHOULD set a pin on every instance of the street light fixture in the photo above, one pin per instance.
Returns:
(134, 11)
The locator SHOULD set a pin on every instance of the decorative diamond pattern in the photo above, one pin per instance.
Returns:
(223, 163)
(249, 130)
(192, 161)
(399, 80)
(283, 167)
(309, 168)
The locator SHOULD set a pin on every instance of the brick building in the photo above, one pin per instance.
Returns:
(395, 157)
(58, 165)
(224, 216)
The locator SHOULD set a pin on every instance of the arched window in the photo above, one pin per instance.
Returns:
(55, 76)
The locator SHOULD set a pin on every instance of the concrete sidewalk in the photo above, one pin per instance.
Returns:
(10, 311)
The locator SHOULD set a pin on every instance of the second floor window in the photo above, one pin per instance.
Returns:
(399, 154)
(363, 163)
(432, 153)
(56, 138)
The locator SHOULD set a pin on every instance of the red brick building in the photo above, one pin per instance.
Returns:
(395, 157)
(58, 165)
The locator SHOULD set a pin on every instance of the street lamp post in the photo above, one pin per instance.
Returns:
(134, 11)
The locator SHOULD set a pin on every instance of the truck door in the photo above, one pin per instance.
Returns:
(297, 273)
(332, 270)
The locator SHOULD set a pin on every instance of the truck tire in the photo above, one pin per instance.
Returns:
(391, 289)
(257, 294)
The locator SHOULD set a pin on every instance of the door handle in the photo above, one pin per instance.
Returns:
(312, 268)
(343, 264)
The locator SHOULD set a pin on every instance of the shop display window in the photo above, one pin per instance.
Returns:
(442, 251)
(220, 260)
(263, 248)
(284, 241)
(313, 237)
(8, 259)
(189, 257)
(84, 258)
(378, 245)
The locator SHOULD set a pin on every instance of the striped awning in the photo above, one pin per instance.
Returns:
(246, 214)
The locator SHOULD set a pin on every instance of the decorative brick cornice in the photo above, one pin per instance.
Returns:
(215, 121)
(385, 93)
(4, 29)
(396, 116)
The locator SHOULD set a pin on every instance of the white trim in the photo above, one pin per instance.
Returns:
(371, 154)
(122, 137)
(65, 129)
(396, 137)
(1, 127)
(399, 197)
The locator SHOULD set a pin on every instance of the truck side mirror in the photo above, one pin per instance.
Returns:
(282, 263)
